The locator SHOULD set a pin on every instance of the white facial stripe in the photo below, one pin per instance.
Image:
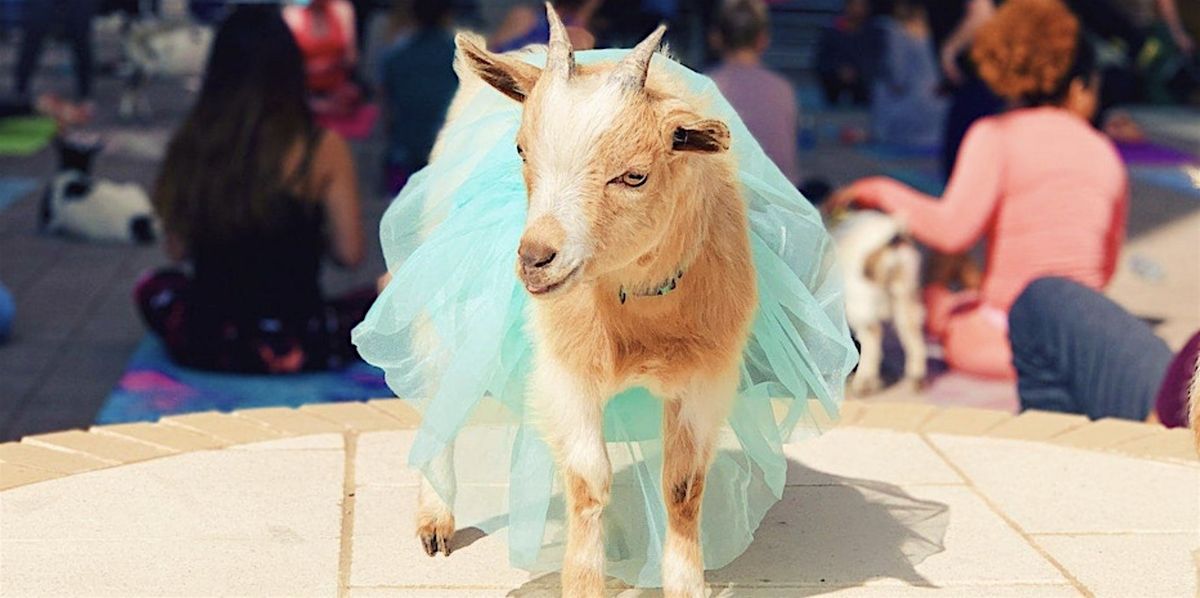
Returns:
(573, 117)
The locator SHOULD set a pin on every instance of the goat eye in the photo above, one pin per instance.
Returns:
(633, 179)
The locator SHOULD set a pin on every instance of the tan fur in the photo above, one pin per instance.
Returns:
(584, 129)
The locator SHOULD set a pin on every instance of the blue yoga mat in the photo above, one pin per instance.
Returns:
(154, 386)
(14, 188)
(1183, 179)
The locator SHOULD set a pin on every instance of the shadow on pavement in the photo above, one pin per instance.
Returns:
(834, 533)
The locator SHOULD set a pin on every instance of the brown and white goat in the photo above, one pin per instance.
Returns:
(881, 271)
(637, 257)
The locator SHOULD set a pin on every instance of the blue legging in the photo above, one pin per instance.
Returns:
(1075, 351)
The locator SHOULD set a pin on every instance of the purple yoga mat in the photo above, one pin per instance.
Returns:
(1147, 153)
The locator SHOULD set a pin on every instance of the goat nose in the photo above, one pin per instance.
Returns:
(535, 255)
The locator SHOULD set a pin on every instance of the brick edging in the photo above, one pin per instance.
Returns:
(59, 454)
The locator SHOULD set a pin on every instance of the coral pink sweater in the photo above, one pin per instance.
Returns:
(1048, 190)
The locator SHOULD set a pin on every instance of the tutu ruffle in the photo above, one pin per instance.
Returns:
(449, 331)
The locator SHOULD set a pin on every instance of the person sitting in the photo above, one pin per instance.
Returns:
(847, 54)
(526, 24)
(1047, 190)
(906, 106)
(764, 99)
(252, 195)
(1076, 351)
(324, 30)
(418, 81)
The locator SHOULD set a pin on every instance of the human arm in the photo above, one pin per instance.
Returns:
(1116, 233)
(955, 222)
(978, 12)
(340, 199)
(1169, 12)
(344, 13)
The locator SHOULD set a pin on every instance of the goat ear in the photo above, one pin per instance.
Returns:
(707, 136)
(510, 76)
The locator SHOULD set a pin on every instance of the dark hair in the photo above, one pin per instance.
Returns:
(741, 22)
(225, 168)
(430, 13)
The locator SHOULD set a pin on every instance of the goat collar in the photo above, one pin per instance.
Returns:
(662, 288)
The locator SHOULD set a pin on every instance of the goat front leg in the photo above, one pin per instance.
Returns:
(870, 341)
(570, 414)
(691, 423)
(435, 517)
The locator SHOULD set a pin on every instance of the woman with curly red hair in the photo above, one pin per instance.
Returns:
(1046, 189)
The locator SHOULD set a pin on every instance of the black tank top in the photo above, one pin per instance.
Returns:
(271, 274)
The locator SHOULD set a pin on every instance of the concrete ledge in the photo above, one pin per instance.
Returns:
(50, 456)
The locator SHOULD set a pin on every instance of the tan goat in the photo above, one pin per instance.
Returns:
(637, 255)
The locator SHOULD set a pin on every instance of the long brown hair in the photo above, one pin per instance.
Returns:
(224, 170)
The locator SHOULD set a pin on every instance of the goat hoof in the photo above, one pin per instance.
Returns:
(435, 535)
(862, 386)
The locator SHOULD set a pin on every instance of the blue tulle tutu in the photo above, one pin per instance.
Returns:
(449, 332)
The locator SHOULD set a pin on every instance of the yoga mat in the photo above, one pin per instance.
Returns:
(891, 151)
(153, 386)
(1182, 179)
(1153, 154)
(22, 136)
(15, 188)
(925, 181)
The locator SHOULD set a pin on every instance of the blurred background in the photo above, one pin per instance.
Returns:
(180, 233)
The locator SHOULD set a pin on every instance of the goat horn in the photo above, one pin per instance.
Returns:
(630, 73)
(560, 57)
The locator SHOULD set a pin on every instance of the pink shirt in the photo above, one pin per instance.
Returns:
(1047, 189)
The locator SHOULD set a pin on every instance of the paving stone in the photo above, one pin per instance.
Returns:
(482, 456)
(12, 476)
(399, 409)
(1177, 445)
(311, 442)
(879, 534)
(897, 458)
(39, 457)
(110, 448)
(386, 552)
(1120, 566)
(206, 566)
(382, 459)
(281, 496)
(1055, 489)
(353, 416)
(427, 593)
(171, 437)
(965, 421)
(895, 416)
(1105, 433)
(1037, 425)
(291, 422)
(876, 591)
(849, 412)
(220, 425)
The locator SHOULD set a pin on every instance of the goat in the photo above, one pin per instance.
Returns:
(636, 254)
(881, 270)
